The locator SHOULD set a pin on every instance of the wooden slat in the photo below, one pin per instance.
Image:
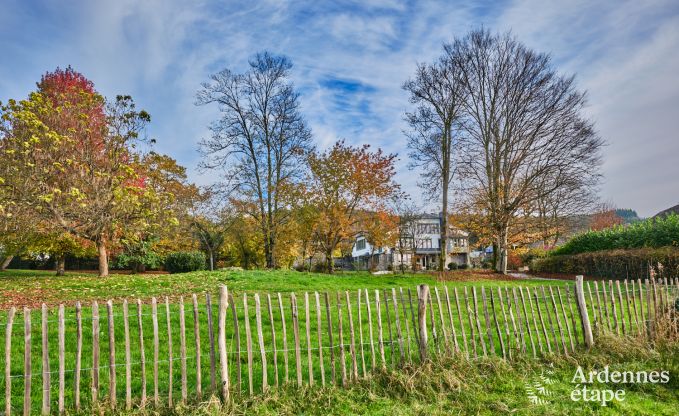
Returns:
(506, 321)
(582, 311)
(600, 322)
(422, 295)
(459, 316)
(591, 303)
(613, 307)
(295, 327)
(444, 331)
(634, 306)
(434, 333)
(397, 323)
(360, 332)
(248, 343)
(470, 317)
(573, 317)
(142, 353)
(413, 318)
(319, 335)
(28, 372)
(558, 320)
(182, 350)
(273, 339)
(478, 321)
(497, 324)
(196, 341)
(622, 309)
(489, 331)
(608, 320)
(629, 307)
(78, 354)
(112, 382)
(527, 321)
(391, 336)
(380, 334)
(565, 318)
(404, 308)
(236, 339)
(511, 305)
(45, 363)
(549, 319)
(170, 357)
(521, 332)
(451, 321)
(370, 329)
(260, 341)
(8, 360)
(61, 338)
(310, 358)
(285, 337)
(352, 339)
(542, 321)
(221, 344)
(128, 355)
(156, 347)
(328, 319)
(211, 340)
(340, 341)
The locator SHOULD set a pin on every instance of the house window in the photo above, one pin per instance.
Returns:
(360, 244)
(424, 243)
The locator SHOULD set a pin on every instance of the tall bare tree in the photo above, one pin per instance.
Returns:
(260, 141)
(522, 123)
(436, 93)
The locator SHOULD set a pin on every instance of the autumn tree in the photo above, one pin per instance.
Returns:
(522, 122)
(605, 217)
(437, 94)
(71, 158)
(259, 143)
(380, 229)
(344, 181)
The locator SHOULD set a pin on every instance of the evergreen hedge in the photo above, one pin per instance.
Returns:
(182, 261)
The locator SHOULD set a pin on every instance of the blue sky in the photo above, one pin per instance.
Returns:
(351, 59)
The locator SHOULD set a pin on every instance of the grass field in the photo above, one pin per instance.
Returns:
(458, 386)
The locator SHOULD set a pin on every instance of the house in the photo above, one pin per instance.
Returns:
(418, 246)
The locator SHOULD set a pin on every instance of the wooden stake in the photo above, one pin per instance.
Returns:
(28, 373)
(506, 321)
(404, 308)
(470, 312)
(196, 339)
(341, 340)
(558, 321)
(310, 358)
(182, 349)
(565, 318)
(319, 335)
(521, 333)
(459, 316)
(370, 329)
(111, 356)
(45, 364)
(422, 295)
(446, 340)
(352, 338)
(478, 321)
(78, 353)
(549, 318)
(260, 341)
(391, 337)
(248, 342)
(600, 322)
(582, 308)
(142, 353)
(154, 317)
(332, 347)
(570, 307)
(128, 356)
(397, 321)
(450, 318)
(8, 361)
(236, 338)
(211, 339)
(497, 324)
(605, 305)
(525, 316)
(542, 321)
(489, 331)
(380, 338)
(285, 337)
(360, 333)
(221, 342)
(273, 339)
(295, 327)
(170, 357)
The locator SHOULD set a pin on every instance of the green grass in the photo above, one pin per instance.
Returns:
(374, 396)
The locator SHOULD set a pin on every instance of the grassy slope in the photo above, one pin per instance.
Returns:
(30, 287)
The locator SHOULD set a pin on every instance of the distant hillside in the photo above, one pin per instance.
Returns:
(668, 211)
(628, 215)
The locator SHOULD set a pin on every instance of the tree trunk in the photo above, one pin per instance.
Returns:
(268, 248)
(212, 261)
(443, 242)
(6, 262)
(328, 262)
(103, 259)
(61, 265)
(501, 259)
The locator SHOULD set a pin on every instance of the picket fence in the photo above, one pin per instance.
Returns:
(359, 332)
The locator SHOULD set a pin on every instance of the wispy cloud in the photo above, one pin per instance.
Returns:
(351, 59)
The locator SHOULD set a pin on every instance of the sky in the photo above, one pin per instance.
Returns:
(350, 61)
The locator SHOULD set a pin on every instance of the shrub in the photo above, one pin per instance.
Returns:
(652, 233)
(463, 266)
(182, 261)
(614, 264)
(452, 266)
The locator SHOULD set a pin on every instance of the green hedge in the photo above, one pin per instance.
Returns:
(652, 233)
(182, 262)
(614, 264)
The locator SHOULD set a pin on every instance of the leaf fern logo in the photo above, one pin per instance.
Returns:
(537, 390)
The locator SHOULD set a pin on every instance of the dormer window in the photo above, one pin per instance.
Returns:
(360, 244)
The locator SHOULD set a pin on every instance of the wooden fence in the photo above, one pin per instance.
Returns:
(318, 338)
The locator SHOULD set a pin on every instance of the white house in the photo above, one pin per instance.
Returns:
(421, 240)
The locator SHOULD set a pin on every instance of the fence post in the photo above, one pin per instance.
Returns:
(582, 308)
(221, 341)
(422, 295)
